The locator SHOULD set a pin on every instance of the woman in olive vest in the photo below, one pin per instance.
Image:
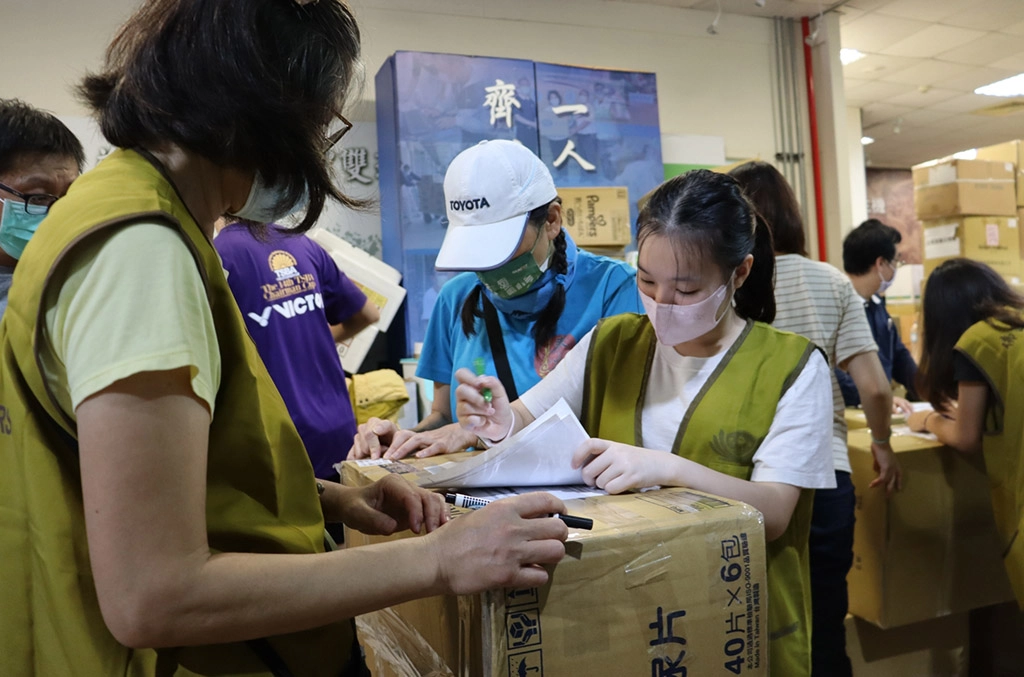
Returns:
(158, 513)
(972, 371)
(743, 407)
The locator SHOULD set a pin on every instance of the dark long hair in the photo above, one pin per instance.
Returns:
(545, 326)
(247, 84)
(774, 200)
(708, 213)
(958, 294)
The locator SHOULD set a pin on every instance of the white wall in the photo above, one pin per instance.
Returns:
(714, 85)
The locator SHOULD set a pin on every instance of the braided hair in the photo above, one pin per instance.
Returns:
(545, 326)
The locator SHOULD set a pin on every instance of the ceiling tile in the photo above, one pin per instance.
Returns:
(964, 103)
(931, 41)
(923, 99)
(986, 15)
(875, 113)
(874, 66)
(1011, 63)
(971, 80)
(874, 32)
(1013, 28)
(926, 72)
(848, 14)
(924, 10)
(876, 90)
(985, 49)
(866, 5)
(927, 117)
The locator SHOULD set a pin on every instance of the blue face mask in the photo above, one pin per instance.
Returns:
(17, 227)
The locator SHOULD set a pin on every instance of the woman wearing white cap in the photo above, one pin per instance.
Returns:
(526, 279)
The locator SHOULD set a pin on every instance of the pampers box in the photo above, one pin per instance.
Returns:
(668, 582)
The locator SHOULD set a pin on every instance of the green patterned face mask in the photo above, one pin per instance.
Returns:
(517, 276)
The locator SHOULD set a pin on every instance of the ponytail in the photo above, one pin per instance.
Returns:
(547, 323)
(755, 300)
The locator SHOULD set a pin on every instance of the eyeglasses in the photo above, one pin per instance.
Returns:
(35, 203)
(339, 128)
(897, 262)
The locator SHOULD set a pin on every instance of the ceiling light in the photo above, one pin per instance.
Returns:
(1013, 86)
(848, 55)
(866, 140)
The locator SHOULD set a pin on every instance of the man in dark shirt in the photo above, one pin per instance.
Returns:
(870, 260)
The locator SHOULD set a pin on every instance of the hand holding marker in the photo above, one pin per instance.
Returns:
(478, 367)
(475, 502)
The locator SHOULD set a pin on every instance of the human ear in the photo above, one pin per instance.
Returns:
(743, 271)
(553, 226)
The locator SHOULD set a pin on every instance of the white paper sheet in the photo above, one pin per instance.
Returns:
(538, 455)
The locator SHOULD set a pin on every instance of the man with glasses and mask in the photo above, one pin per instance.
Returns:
(870, 260)
(39, 158)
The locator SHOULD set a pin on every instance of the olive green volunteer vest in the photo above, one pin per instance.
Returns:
(998, 351)
(261, 495)
(724, 426)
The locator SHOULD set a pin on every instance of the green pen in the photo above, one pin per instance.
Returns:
(478, 366)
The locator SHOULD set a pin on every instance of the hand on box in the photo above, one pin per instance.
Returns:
(490, 418)
(617, 467)
(378, 438)
(392, 504)
(890, 475)
(502, 545)
(901, 406)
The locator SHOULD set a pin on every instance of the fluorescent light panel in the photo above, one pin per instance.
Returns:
(1012, 86)
(866, 140)
(848, 55)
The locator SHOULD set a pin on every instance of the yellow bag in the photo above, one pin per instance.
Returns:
(380, 394)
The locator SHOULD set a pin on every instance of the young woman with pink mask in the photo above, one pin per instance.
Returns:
(700, 392)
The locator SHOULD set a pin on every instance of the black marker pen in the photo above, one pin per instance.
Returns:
(475, 502)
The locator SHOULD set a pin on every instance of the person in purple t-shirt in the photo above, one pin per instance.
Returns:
(297, 304)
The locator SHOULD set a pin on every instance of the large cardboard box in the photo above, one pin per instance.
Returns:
(1011, 151)
(994, 240)
(931, 549)
(668, 582)
(597, 217)
(937, 648)
(964, 187)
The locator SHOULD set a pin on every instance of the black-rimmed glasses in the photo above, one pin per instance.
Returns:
(35, 203)
(338, 129)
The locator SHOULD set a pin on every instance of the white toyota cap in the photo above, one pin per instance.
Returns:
(489, 190)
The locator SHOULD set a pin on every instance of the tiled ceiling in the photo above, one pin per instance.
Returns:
(924, 60)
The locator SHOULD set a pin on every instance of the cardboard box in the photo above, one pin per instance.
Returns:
(992, 240)
(939, 648)
(597, 217)
(1011, 151)
(613, 606)
(932, 549)
(964, 187)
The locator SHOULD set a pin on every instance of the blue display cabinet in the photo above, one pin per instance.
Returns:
(591, 127)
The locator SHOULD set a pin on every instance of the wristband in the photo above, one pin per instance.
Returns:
(884, 440)
(928, 416)
(490, 443)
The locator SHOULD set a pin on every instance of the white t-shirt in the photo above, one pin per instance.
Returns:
(817, 301)
(796, 451)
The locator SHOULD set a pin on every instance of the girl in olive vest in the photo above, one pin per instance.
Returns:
(972, 370)
(701, 391)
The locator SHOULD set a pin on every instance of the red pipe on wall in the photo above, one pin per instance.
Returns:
(812, 116)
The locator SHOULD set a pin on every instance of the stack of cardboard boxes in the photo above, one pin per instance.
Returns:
(597, 219)
(968, 208)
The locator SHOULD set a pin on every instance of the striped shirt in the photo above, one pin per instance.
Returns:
(817, 301)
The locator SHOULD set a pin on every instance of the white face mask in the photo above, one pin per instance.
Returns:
(675, 324)
(885, 283)
(264, 204)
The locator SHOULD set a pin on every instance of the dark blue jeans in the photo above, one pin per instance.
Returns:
(831, 555)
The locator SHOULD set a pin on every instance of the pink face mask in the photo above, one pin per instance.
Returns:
(675, 324)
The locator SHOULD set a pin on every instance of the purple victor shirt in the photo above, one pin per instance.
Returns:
(289, 291)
